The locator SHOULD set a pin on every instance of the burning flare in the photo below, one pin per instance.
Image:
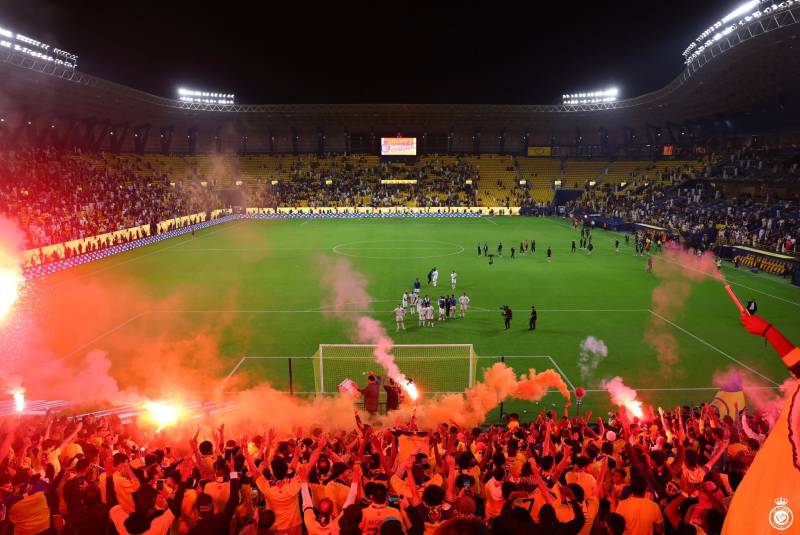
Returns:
(11, 279)
(624, 396)
(162, 413)
(411, 389)
(19, 399)
(634, 407)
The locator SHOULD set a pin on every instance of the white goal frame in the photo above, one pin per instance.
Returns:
(472, 357)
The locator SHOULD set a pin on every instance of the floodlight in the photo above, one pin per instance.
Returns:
(744, 13)
(744, 8)
(204, 97)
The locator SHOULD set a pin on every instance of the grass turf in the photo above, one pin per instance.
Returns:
(252, 288)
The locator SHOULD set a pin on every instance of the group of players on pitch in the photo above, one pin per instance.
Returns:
(414, 303)
(524, 248)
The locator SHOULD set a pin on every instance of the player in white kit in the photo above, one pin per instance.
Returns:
(464, 300)
(435, 277)
(421, 311)
(453, 277)
(413, 299)
(399, 317)
(429, 315)
(404, 300)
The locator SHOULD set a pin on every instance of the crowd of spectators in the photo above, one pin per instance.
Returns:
(699, 210)
(60, 196)
(354, 181)
(561, 475)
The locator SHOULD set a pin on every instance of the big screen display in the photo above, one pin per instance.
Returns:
(398, 146)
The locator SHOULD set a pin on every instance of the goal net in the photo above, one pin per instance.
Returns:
(435, 368)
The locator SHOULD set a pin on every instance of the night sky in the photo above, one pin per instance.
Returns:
(390, 51)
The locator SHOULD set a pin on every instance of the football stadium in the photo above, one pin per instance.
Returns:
(414, 316)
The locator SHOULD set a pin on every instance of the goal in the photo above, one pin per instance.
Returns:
(435, 368)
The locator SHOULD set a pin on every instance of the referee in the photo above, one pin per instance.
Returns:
(532, 320)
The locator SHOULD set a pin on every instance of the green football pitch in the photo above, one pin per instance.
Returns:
(240, 298)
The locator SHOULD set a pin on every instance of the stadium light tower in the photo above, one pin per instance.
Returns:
(590, 97)
(36, 49)
(205, 97)
(739, 17)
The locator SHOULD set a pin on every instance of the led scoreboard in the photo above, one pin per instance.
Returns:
(398, 146)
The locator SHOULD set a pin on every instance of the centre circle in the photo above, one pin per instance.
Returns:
(398, 249)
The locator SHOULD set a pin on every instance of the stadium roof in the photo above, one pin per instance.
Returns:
(752, 70)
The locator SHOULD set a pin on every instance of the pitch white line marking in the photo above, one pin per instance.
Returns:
(101, 336)
(564, 375)
(490, 220)
(341, 249)
(373, 311)
(325, 308)
(235, 368)
(687, 389)
(718, 350)
(482, 309)
(61, 281)
(732, 282)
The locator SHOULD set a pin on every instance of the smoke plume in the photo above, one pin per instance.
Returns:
(99, 338)
(470, 408)
(679, 272)
(623, 396)
(347, 294)
(593, 350)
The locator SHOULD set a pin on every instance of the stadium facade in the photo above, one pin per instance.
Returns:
(742, 83)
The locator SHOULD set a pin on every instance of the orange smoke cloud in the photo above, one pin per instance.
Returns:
(679, 271)
(470, 408)
(347, 294)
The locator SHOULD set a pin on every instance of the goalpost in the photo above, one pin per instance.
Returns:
(435, 368)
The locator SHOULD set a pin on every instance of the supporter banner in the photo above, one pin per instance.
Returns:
(540, 152)
(35, 257)
(41, 261)
(221, 212)
(386, 210)
(182, 221)
(743, 249)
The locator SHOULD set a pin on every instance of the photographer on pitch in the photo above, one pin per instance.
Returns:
(507, 314)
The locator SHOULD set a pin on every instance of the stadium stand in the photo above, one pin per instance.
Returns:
(577, 174)
(102, 192)
(540, 174)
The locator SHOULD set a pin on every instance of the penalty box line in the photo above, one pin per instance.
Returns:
(550, 358)
(552, 361)
(673, 324)
(731, 282)
(715, 348)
